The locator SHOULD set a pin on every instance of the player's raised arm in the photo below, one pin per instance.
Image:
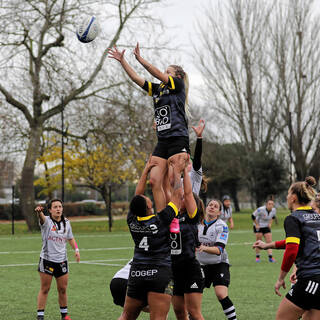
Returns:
(39, 211)
(114, 53)
(144, 176)
(164, 77)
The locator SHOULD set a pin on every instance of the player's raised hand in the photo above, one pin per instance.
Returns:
(39, 209)
(114, 53)
(199, 129)
(136, 51)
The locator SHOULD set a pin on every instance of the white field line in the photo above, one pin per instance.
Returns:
(109, 249)
(96, 262)
(37, 237)
(108, 235)
(82, 249)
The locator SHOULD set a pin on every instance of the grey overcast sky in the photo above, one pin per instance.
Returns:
(180, 16)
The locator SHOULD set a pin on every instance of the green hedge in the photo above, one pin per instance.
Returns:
(71, 209)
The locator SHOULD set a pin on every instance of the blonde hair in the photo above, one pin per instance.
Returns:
(304, 190)
(184, 76)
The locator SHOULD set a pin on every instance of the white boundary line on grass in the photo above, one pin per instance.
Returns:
(82, 249)
(107, 235)
(96, 262)
(109, 249)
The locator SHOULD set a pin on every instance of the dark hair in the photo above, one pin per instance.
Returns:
(303, 190)
(270, 198)
(49, 205)
(200, 207)
(138, 206)
(225, 197)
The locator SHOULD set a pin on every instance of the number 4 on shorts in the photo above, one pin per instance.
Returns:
(144, 244)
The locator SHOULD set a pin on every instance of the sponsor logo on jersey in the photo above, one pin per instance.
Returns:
(225, 229)
(54, 228)
(143, 273)
(223, 236)
(221, 275)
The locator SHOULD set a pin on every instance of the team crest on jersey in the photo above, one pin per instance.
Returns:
(54, 228)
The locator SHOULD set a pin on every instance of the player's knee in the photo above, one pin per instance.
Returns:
(45, 290)
(62, 290)
(180, 313)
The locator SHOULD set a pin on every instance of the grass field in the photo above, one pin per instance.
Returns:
(103, 253)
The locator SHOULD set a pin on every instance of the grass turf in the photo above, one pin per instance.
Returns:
(103, 253)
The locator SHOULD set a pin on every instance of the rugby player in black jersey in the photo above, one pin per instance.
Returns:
(169, 98)
(301, 246)
(150, 278)
(187, 274)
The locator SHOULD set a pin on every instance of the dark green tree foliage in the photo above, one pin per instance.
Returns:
(266, 175)
(223, 164)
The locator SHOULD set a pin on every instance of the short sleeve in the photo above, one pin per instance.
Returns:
(175, 84)
(293, 229)
(222, 236)
(167, 214)
(69, 232)
(150, 87)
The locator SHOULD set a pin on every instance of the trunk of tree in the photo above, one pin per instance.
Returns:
(106, 196)
(234, 196)
(27, 187)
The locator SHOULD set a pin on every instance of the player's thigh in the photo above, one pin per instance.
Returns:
(62, 282)
(45, 280)
(288, 311)
(268, 237)
(312, 314)
(132, 308)
(159, 305)
(258, 236)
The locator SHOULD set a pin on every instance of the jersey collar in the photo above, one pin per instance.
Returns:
(145, 218)
(304, 208)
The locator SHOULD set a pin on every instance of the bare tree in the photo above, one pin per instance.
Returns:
(296, 65)
(41, 61)
(232, 62)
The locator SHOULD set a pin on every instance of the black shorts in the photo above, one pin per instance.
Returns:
(263, 230)
(118, 288)
(167, 147)
(188, 277)
(53, 268)
(216, 274)
(149, 278)
(305, 293)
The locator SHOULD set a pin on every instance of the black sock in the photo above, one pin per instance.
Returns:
(258, 256)
(270, 256)
(228, 308)
(40, 314)
(63, 311)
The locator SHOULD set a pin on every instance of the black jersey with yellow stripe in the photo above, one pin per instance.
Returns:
(183, 244)
(303, 227)
(169, 107)
(151, 236)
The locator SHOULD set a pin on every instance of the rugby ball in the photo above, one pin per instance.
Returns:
(87, 29)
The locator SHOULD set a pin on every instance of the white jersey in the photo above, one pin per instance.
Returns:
(124, 272)
(263, 217)
(226, 213)
(212, 235)
(196, 179)
(54, 240)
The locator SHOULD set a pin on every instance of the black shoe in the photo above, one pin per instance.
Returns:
(40, 317)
